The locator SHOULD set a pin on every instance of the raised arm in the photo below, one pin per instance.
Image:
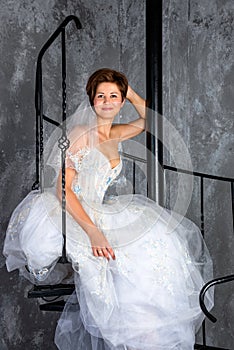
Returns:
(99, 243)
(135, 127)
(137, 101)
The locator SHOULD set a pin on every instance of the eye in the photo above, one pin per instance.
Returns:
(100, 96)
(113, 96)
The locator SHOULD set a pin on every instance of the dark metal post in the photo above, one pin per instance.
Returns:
(40, 131)
(64, 143)
(232, 198)
(38, 107)
(134, 176)
(154, 100)
(203, 234)
(202, 206)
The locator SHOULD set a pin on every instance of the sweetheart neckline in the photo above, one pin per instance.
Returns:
(120, 159)
(89, 149)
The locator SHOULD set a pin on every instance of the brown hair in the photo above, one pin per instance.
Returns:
(106, 75)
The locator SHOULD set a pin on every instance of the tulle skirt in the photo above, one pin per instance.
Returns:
(145, 299)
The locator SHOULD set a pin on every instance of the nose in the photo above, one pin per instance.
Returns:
(106, 99)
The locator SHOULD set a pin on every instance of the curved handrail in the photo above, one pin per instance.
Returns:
(38, 89)
(51, 39)
(199, 174)
(204, 289)
(57, 32)
(180, 170)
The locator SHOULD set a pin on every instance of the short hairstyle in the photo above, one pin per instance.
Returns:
(106, 75)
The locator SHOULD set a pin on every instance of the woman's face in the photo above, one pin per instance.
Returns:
(108, 100)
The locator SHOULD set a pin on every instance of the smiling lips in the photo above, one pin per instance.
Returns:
(107, 108)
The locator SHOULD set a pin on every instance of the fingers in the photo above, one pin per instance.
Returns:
(105, 252)
(95, 253)
(111, 252)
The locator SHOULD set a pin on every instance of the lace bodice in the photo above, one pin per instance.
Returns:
(94, 174)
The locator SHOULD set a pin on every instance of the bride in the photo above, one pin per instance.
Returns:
(137, 271)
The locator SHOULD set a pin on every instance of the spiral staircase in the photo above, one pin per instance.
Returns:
(53, 295)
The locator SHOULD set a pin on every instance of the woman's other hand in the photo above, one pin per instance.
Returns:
(100, 245)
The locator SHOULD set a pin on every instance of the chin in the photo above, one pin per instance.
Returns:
(106, 115)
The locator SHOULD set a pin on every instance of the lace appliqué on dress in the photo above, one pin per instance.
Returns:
(75, 160)
(123, 262)
(163, 273)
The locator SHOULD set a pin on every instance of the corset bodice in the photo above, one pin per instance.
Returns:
(94, 174)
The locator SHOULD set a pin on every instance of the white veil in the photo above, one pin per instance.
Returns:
(80, 130)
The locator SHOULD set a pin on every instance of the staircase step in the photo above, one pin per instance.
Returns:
(206, 347)
(51, 290)
(54, 306)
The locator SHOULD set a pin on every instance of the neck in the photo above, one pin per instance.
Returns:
(104, 127)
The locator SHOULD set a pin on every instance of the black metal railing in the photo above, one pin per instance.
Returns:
(154, 97)
(202, 176)
(63, 142)
(223, 279)
(55, 291)
(39, 95)
(205, 288)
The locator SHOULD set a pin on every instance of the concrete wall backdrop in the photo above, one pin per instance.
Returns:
(198, 101)
(198, 83)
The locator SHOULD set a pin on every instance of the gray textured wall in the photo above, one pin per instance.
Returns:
(198, 100)
(198, 85)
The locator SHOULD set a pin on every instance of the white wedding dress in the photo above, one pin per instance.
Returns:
(146, 299)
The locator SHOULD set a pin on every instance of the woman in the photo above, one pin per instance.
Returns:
(138, 272)
(107, 91)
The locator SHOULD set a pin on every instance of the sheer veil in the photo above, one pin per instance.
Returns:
(81, 132)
